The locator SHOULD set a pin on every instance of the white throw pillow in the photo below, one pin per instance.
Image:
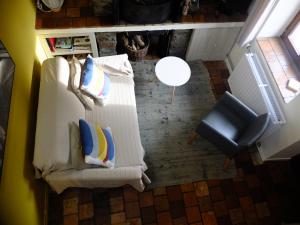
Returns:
(75, 74)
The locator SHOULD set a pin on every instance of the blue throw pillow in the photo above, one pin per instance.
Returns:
(97, 144)
(93, 79)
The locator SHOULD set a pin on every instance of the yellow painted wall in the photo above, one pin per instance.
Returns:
(21, 196)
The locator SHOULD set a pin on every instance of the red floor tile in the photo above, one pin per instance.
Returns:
(118, 218)
(247, 203)
(187, 187)
(164, 218)
(130, 194)
(132, 210)
(193, 214)
(177, 209)
(174, 193)
(159, 191)
(220, 208)
(86, 211)
(201, 189)
(180, 221)
(146, 199)
(116, 204)
(209, 218)
(161, 203)
(216, 194)
(148, 215)
(236, 216)
(205, 204)
(71, 219)
(190, 199)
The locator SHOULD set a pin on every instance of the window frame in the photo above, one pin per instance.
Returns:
(287, 42)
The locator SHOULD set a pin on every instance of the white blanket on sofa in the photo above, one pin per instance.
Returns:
(117, 65)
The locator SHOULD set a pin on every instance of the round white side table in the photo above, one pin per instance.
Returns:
(172, 71)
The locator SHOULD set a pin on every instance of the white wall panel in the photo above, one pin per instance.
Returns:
(211, 43)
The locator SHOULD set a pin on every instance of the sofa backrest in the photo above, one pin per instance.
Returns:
(57, 108)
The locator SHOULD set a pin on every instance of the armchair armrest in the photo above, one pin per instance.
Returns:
(255, 130)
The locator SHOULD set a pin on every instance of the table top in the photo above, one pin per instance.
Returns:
(172, 71)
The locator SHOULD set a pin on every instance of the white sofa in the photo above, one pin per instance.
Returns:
(58, 107)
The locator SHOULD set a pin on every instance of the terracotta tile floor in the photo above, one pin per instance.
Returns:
(79, 13)
(258, 195)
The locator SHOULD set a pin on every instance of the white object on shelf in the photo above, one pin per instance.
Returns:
(82, 41)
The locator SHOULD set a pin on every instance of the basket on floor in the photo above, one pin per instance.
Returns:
(137, 55)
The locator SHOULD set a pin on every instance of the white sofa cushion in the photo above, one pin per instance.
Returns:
(120, 115)
(57, 108)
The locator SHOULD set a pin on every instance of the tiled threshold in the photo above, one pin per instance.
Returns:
(281, 65)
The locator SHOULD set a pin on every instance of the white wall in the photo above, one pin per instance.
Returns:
(235, 55)
(285, 142)
(281, 16)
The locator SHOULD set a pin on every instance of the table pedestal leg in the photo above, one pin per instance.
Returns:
(173, 95)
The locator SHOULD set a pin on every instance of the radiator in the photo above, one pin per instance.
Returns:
(249, 82)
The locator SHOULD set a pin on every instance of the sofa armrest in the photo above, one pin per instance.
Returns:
(97, 177)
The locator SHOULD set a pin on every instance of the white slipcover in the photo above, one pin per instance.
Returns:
(58, 107)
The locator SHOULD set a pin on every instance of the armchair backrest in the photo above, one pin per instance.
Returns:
(237, 107)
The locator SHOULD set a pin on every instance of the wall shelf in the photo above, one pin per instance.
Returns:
(61, 52)
(90, 31)
(70, 52)
(142, 27)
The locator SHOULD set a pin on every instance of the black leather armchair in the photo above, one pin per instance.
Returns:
(231, 126)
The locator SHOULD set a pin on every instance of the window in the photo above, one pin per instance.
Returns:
(291, 38)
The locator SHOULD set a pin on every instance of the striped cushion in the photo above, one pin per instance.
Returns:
(106, 87)
(97, 144)
(92, 78)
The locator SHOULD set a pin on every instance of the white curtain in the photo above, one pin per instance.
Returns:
(259, 13)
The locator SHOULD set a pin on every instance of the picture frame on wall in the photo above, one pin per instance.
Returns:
(7, 69)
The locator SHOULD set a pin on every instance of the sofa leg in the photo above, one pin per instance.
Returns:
(193, 137)
(227, 163)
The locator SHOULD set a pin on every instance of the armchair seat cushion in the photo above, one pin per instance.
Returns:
(225, 122)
